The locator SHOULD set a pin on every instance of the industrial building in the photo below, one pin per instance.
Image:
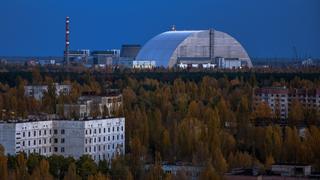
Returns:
(102, 139)
(128, 59)
(78, 56)
(130, 50)
(203, 48)
(104, 58)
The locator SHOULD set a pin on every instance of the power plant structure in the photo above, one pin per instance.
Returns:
(67, 42)
(171, 49)
(195, 49)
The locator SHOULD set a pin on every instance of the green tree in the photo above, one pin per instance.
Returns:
(119, 169)
(86, 166)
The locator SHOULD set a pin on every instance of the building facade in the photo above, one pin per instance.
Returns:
(37, 91)
(130, 50)
(92, 106)
(302, 170)
(105, 58)
(280, 99)
(102, 139)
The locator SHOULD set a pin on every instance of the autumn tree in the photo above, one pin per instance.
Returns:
(209, 173)
(21, 168)
(137, 157)
(36, 76)
(262, 112)
(3, 164)
(296, 116)
(72, 173)
(312, 144)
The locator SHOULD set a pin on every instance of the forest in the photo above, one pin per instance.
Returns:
(203, 119)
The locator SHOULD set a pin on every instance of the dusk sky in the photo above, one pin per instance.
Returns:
(266, 28)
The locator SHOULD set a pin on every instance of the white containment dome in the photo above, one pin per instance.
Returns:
(203, 46)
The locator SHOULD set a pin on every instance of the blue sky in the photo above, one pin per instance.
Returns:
(266, 28)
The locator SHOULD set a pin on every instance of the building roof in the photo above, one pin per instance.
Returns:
(161, 47)
(165, 47)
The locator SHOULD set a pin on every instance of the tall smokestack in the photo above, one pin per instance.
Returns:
(66, 50)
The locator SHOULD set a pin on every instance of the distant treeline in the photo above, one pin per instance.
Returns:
(262, 78)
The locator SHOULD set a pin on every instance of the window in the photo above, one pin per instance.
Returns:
(23, 134)
(55, 140)
(62, 149)
(39, 132)
(90, 131)
(55, 149)
(95, 131)
(99, 139)
(28, 143)
(117, 128)
(99, 131)
(55, 131)
(104, 139)
(45, 141)
(34, 133)
(112, 129)
(104, 130)
(22, 143)
(45, 132)
(117, 137)
(94, 139)
(34, 142)
(108, 129)
(62, 140)
(86, 131)
(39, 141)
(62, 131)
(108, 138)
(121, 128)
(50, 131)
(112, 137)
(121, 136)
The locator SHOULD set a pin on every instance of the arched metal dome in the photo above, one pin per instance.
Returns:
(168, 47)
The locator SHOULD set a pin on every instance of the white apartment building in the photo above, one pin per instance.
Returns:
(99, 138)
(37, 91)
